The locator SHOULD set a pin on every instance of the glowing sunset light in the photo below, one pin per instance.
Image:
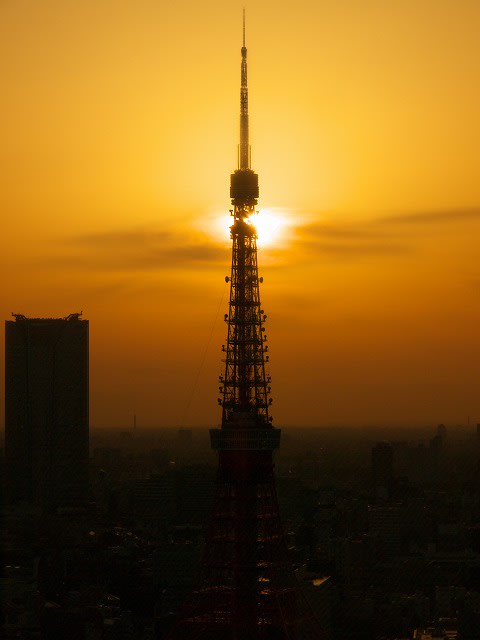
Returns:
(219, 225)
(116, 158)
(270, 226)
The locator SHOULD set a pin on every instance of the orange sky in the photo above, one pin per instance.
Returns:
(119, 127)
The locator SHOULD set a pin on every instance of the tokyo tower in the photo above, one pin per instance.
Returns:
(246, 588)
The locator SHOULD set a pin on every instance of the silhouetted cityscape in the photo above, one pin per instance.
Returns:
(384, 534)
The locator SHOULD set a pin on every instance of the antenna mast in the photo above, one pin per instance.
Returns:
(244, 147)
(243, 181)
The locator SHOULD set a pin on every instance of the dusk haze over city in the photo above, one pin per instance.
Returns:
(119, 131)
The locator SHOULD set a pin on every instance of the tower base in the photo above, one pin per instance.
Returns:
(246, 588)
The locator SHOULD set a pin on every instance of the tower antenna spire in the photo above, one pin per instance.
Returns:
(243, 181)
(244, 146)
(243, 26)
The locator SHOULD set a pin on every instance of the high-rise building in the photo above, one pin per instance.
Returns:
(247, 586)
(385, 525)
(46, 411)
(382, 468)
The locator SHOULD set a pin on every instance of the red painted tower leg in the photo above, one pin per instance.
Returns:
(246, 587)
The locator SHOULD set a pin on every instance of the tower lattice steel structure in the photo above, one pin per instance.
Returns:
(246, 588)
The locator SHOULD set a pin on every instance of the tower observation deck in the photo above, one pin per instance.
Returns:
(246, 588)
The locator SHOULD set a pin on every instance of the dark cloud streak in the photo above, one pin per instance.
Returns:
(392, 235)
(432, 217)
(139, 249)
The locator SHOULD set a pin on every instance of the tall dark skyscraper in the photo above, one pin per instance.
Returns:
(46, 411)
(246, 588)
(382, 468)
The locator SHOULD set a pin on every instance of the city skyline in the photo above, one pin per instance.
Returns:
(119, 134)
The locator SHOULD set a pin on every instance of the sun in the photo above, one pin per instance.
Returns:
(270, 226)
